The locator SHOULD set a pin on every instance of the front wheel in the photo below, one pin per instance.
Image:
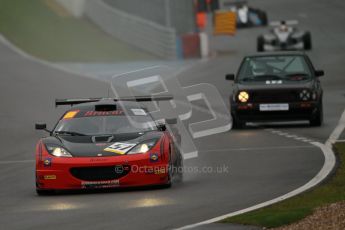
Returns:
(237, 123)
(178, 171)
(43, 192)
(317, 119)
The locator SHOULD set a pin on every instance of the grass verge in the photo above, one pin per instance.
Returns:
(44, 30)
(296, 208)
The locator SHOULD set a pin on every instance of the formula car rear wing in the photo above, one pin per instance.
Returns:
(76, 101)
(232, 3)
(279, 23)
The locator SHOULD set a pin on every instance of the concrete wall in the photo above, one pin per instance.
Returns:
(75, 7)
(142, 33)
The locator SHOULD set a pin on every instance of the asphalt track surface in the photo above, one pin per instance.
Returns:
(262, 165)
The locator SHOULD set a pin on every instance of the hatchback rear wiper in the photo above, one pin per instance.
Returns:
(69, 133)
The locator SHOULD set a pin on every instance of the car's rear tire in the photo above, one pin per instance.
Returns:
(263, 17)
(317, 119)
(307, 41)
(260, 44)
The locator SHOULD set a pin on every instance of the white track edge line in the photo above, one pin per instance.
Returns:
(330, 161)
(337, 131)
(30, 57)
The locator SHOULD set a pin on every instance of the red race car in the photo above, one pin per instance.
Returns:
(106, 143)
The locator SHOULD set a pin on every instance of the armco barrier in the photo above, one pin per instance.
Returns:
(136, 31)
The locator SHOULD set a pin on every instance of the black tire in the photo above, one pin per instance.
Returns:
(260, 44)
(170, 173)
(42, 192)
(178, 173)
(170, 178)
(307, 41)
(264, 19)
(317, 119)
(237, 123)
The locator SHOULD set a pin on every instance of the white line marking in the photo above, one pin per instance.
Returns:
(327, 167)
(337, 131)
(323, 173)
(257, 148)
(278, 132)
(16, 162)
(299, 138)
(25, 55)
(308, 140)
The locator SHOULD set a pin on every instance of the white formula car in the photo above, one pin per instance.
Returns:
(284, 36)
(246, 15)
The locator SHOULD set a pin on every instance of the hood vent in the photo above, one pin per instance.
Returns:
(106, 138)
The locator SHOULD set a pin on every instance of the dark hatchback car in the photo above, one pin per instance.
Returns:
(276, 87)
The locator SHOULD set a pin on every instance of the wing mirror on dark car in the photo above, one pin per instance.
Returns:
(319, 73)
(161, 127)
(230, 77)
(170, 121)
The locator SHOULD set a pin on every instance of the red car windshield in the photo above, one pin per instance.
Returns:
(103, 125)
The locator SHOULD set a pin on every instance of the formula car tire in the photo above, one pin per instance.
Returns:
(307, 41)
(260, 43)
(263, 17)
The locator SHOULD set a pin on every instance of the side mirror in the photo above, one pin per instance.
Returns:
(171, 121)
(161, 127)
(40, 126)
(319, 73)
(230, 77)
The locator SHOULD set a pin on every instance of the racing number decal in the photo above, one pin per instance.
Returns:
(119, 147)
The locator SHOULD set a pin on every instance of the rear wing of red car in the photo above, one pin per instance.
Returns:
(77, 101)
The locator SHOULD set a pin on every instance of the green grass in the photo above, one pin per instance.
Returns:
(34, 27)
(298, 207)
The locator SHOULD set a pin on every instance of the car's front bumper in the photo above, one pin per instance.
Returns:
(141, 172)
(296, 111)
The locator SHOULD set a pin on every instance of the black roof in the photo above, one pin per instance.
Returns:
(281, 53)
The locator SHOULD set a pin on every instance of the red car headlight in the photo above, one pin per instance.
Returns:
(143, 147)
(57, 151)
